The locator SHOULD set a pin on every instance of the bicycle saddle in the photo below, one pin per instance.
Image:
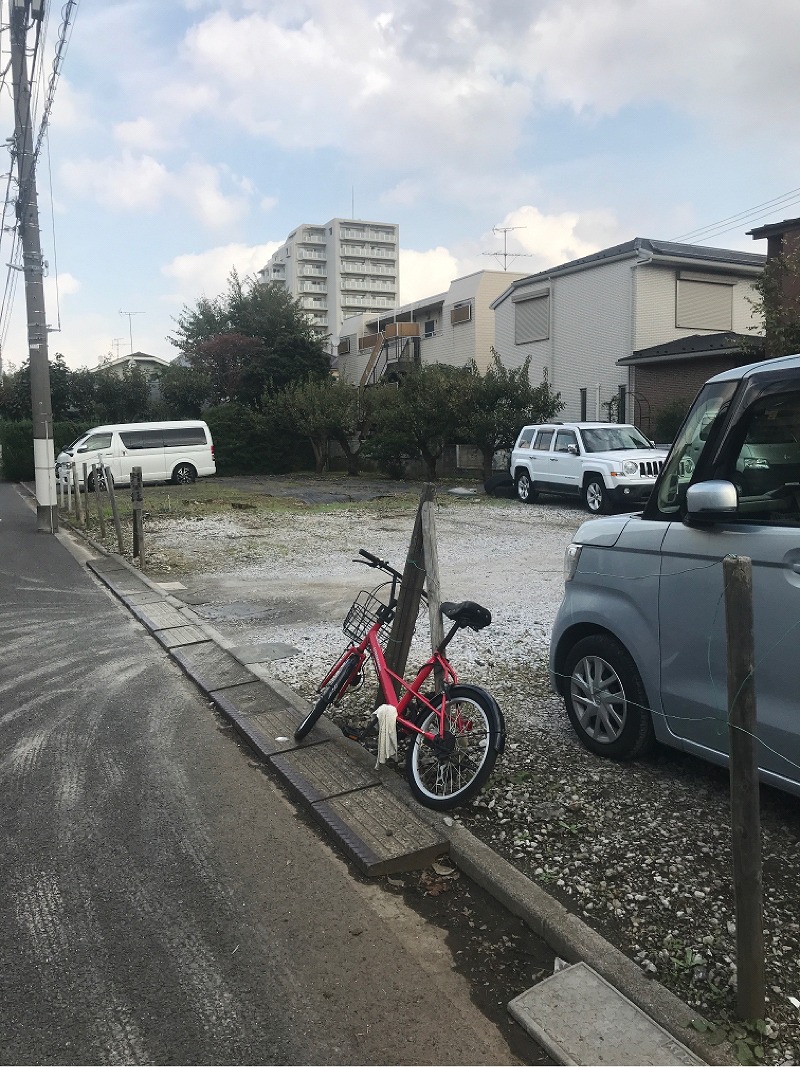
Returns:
(468, 613)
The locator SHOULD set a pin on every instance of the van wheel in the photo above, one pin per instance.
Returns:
(605, 698)
(101, 482)
(184, 474)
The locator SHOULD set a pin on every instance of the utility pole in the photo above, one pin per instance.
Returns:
(21, 14)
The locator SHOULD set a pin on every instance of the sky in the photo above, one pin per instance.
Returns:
(190, 137)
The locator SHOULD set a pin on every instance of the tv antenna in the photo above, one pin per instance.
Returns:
(130, 315)
(505, 230)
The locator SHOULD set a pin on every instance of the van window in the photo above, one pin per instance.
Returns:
(96, 441)
(765, 468)
(185, 435)
(704, 419)
(142, 438)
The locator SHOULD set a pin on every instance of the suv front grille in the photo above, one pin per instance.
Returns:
(649, 468)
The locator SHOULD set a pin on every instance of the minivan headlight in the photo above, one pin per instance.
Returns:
(571, 557)
(630, 468)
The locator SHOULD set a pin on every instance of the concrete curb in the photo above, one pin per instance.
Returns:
(568, 935)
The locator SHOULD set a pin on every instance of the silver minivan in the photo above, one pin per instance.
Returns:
(638, 649)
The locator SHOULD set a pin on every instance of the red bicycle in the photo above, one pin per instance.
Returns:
(454, 736)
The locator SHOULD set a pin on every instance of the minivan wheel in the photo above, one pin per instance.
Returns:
(605, 699)
(525, 491)
(595, 497)
(101, 482)
(184, 474)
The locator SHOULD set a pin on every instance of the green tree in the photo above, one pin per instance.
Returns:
(777, 304)
(499, 402)
(326, 410)
(122, 398)
(184, 391)
(251, 339)
(420, 416)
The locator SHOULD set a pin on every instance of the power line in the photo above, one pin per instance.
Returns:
(748, 215)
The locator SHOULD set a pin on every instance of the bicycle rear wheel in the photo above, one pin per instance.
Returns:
(450, 770)
(328, 695)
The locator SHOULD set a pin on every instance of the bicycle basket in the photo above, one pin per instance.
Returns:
(365, 612)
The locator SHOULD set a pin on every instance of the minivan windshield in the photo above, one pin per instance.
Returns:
(676, 476)
(613, 438)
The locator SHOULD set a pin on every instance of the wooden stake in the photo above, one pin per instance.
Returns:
(745, 814)
(432, 589)
(114, 510)
(405, 619)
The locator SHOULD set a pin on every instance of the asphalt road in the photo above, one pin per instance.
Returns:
(160, 901)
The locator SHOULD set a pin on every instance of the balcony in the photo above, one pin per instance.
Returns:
(307, 253)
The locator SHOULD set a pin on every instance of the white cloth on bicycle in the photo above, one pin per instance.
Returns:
(387, 733)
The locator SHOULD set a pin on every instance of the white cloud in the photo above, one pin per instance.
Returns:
(132, 182)
(206, 273)
(424, 274)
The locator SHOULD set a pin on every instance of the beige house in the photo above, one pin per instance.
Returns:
(453, 328)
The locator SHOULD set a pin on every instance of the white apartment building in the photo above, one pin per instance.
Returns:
(453, 327)
(344, 267)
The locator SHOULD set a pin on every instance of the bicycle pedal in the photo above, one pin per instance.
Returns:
(359, 733)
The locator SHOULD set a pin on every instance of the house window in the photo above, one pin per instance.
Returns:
(460, 313)
(703, 303)
(532, 319)
(430, 327)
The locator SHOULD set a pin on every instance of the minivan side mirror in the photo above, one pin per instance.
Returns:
(710, 501)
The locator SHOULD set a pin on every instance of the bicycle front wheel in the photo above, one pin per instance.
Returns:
(329, 694)
(451, 769)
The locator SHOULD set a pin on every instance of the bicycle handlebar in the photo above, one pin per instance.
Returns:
(371, 560)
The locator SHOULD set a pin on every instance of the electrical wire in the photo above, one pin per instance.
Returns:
(742, 218)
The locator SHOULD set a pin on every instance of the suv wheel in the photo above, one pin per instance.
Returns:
(605, 699)
(595, 496)
(525, 491)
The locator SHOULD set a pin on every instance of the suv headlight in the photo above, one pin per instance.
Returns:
(630, 468)
(571, 557)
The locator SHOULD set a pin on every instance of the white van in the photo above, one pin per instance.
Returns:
(176, 452)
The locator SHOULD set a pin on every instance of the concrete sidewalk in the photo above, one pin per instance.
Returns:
(371, 816)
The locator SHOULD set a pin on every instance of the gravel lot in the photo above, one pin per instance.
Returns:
(640, 851)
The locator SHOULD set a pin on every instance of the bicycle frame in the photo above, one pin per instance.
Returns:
(387, 678)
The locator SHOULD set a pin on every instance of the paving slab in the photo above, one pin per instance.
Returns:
(157, 615)
(580, 1018)
(379, 833)
(211, 667)
(322, 771)
(175, 636)
(260, 714)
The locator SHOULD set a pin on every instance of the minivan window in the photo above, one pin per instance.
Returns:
(95, 441)
(185, 435)
(708, 409)
(142, 438)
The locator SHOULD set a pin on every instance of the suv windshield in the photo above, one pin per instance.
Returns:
(613, 439)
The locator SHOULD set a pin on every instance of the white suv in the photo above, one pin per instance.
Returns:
(605, 464)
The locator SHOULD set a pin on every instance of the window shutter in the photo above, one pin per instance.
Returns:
(704, 305)
(532, 319)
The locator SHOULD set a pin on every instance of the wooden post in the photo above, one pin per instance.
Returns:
(431, 553)
(77, 485)
(745, 815)
(136, 501)
(114, 510)
(86, 489)
(96, 477)
(405, 619)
